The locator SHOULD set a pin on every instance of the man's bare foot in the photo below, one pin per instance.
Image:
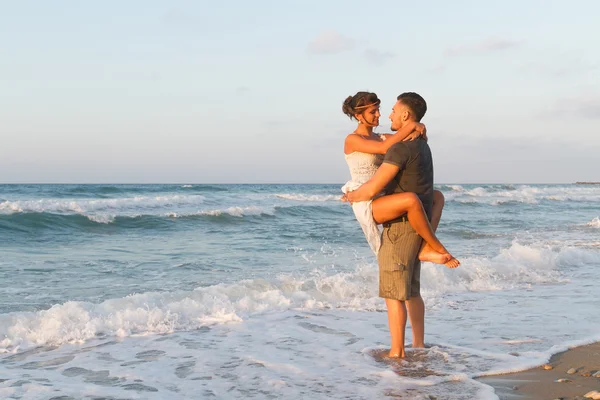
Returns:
(396, 354)
(453, 263)
(430, 255)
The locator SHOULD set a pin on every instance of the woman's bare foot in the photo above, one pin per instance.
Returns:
(453, 263)
(430, 255)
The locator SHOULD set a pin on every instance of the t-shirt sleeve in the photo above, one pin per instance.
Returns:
(397, 155)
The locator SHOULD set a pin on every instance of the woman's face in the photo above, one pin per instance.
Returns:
(371, 116)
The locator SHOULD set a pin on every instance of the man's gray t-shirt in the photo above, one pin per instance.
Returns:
(416, 170)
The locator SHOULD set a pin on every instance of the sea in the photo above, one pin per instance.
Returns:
(195, 291)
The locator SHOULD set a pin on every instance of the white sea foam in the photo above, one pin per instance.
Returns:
(233, 211)
(164, 313)
(103, 211)
(514, 267)
(102, 218)
(84, 206)
(595, 223)
(521, 194)
(308, 198)
(277, 360)
(538, 358)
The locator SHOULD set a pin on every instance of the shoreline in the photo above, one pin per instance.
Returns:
(578, 370)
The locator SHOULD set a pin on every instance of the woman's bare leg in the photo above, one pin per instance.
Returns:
(427, 252)
(388, 208)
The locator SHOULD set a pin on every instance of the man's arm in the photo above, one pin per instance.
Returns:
(384, 175)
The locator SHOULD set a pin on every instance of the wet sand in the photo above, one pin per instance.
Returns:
(576, 367)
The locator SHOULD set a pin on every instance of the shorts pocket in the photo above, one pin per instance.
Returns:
(397, 231)
(392, 235)
(390, 260)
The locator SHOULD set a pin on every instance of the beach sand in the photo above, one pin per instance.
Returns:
(540, 383)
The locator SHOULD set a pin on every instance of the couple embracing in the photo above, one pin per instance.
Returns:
(392, 185)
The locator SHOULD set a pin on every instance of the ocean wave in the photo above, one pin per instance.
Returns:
(24, 222)
(514, 267)
(231, 211)
(465, 188)
(205, 188)
(83, 206)
(471, 234)
(446, 188)
(101, 191)
(48, 220)
(94, 191)
(168, 312)
(308, 198)
(595, 223)
(152, 312)
(148, 218)
(312, 210)
(498, 195)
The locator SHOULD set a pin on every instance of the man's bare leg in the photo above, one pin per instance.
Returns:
(416, 313)
(436, 209)
(397, 323)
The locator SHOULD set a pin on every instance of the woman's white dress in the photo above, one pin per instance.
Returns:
(362, 168)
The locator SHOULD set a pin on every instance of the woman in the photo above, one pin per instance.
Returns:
(364, 152)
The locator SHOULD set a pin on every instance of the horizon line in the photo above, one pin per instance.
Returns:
(284, 183)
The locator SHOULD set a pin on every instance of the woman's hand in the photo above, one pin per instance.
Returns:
(419, 130)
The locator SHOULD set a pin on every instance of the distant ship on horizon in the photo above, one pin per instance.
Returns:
(587, 183)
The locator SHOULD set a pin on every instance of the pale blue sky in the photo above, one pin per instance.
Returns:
(251, 91)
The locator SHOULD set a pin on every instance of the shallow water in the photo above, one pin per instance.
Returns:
(270, 291)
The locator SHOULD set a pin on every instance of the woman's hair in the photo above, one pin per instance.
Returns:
(358, 103)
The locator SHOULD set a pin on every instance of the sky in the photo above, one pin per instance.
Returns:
(237, 91)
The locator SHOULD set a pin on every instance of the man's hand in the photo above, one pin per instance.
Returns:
(367, 191)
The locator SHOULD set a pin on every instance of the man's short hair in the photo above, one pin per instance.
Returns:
(415, 103)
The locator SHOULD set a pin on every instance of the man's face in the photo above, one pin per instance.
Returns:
(399, 116)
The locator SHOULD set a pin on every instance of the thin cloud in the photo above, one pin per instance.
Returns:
(378, 57)
(438, 69)
(175, 16)
(491, 45)
(330, 42)
(584, 106)
(280, 123)
(557, 71)
(532, 159)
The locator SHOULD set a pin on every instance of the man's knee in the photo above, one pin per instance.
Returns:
(415, 298)
(438, 197)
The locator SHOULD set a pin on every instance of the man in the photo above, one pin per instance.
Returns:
(407, 167)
